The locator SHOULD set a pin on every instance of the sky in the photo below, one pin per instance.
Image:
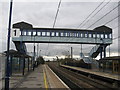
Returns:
(41, 13)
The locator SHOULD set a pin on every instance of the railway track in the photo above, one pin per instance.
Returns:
(76, 80)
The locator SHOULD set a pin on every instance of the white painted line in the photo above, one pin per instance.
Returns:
(59, 78)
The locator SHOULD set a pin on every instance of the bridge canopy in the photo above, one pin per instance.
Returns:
(25, 32)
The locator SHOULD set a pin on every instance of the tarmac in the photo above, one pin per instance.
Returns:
(41, 78)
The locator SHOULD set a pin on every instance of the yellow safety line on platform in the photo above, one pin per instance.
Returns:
(45, 80)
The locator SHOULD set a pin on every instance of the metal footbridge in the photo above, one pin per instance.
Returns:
(23, 32)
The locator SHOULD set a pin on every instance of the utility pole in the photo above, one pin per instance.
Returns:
(81, 51)
(109, 50)
(7, 72)
(34, 55)
(37, 49)
(71, 52)
(34, 59)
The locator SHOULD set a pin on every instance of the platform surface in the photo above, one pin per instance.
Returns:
(41, 78)
(103, 74)
(53, 80)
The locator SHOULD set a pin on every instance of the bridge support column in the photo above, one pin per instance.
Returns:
(34, 59)
(104, 51)
(28, 64)
(23, 73)
(101, 48)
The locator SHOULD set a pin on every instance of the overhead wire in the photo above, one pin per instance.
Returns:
(104, 16)
(56, 14)
(96, 13)
(112, 20)
(54, 23)
(116, 27)
(91, 13)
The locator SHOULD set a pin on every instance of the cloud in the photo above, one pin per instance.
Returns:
(71, 14)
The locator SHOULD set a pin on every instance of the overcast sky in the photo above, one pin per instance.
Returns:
(71, 14)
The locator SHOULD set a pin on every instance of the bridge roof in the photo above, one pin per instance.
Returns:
(98, 29)
(23, 25)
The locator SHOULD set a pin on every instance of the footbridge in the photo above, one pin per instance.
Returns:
(23, 32)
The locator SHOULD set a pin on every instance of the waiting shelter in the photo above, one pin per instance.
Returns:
(110, 64)
(19, 63)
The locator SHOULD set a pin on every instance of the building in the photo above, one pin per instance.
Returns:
(110, 64)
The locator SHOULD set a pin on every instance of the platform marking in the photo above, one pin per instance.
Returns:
(45, 80)
(59, 78)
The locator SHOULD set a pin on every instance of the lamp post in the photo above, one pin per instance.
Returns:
(40, 53)
(7, 72)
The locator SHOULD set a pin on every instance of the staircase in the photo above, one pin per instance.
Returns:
(21, 47)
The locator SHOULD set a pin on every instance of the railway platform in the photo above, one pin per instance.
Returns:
(92, 72)
(41, 78)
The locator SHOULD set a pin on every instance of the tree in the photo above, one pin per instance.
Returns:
(40, 60)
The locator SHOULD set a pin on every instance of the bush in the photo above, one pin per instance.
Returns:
(40, 60)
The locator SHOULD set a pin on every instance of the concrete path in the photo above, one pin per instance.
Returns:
(34, 80)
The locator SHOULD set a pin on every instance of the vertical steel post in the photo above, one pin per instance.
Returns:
(23, 66)
(11, 64)
(81, 51)
(101, 52)
(34, 55)
(109, 50)
(28, 63)
(104, 51)
(34, 59)
(71, 52)
(37, 49)
(100, 56)
(8, 47)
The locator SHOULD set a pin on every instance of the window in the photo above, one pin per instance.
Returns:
(106, 36)
(43, 33)
(94, 35)
(24, 33)
(65, 34)
(77, 35)
(81, 35)
(48, 33)
(38, 33)
(34, 33)
(102, 36)
(86, 35)
(29, 33)
(71, 34)
(57, 34)
(68, 34)
(61, 34)
(110, 35)
(53, 34)
(98, 36)
(90, 35)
